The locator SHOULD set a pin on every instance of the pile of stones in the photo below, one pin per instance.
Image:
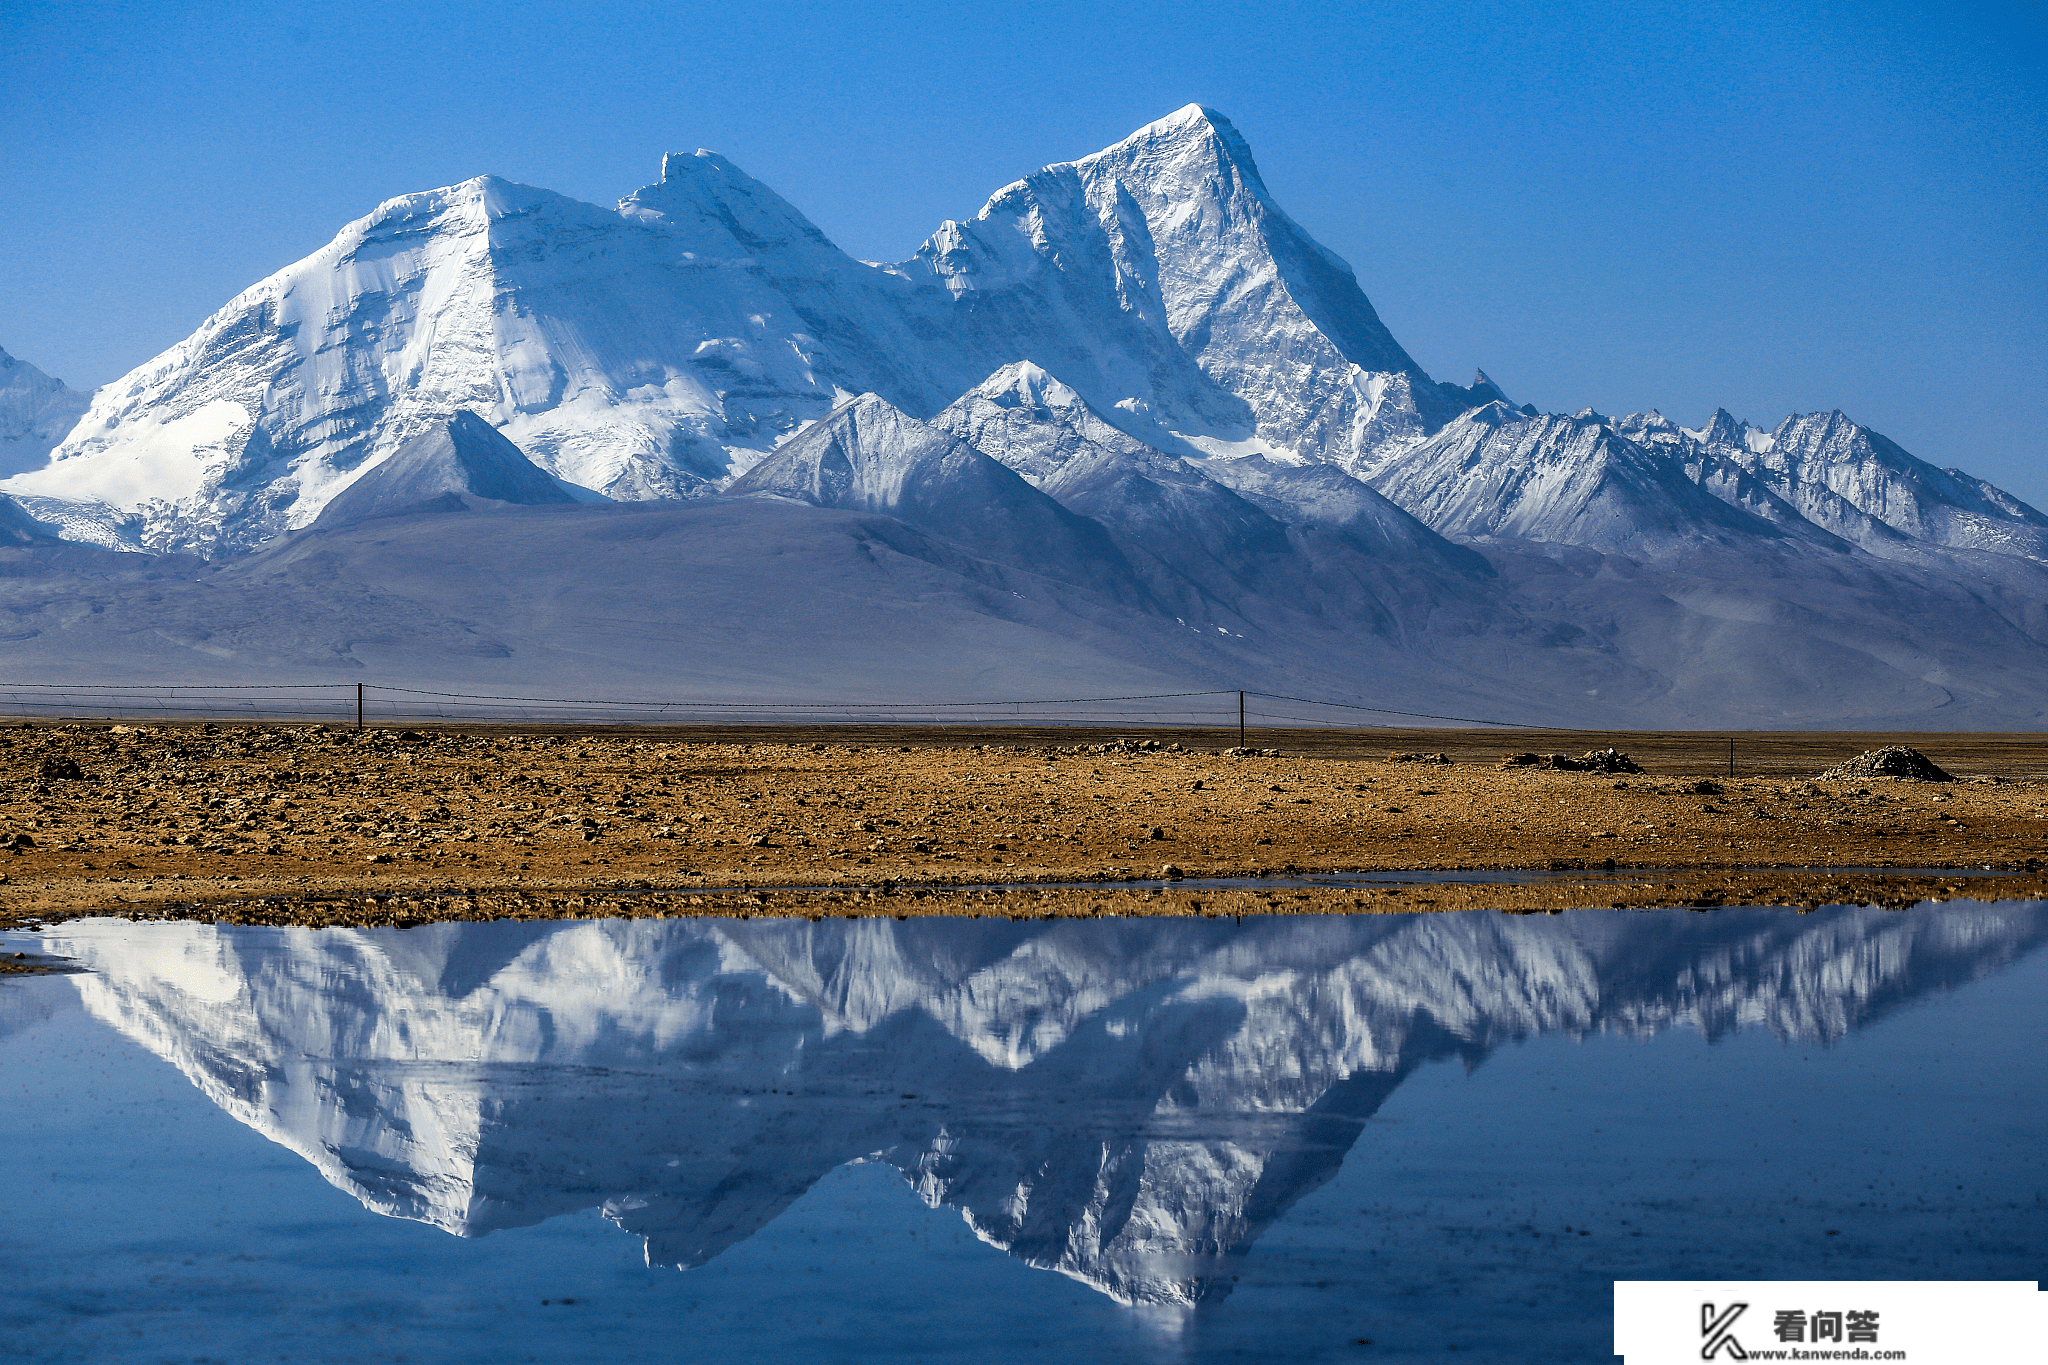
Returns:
(1894, 760)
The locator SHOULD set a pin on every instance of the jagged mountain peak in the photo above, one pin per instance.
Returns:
(1482, 390)
(1158, 276)
(1190, 120)
(1495, 472)
(1820, 460)
(1498, 413)
(1720, 429)
(37, 411)
(1032, 422)
(453, 466)
(1193, 140)
(1650, 428)
(1025, 383)
(16, 371)
(869, 456)
(719, 209)
(1149, 297)
(483, 199)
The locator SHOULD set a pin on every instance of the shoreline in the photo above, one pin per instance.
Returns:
(314, 825)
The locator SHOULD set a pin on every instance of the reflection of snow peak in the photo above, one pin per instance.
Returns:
(1130, 1103)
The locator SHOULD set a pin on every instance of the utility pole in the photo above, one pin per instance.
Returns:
(1240, 720)
(359, 706)
(1731, 758)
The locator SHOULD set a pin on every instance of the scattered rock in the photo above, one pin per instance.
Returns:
(1703, 787)
(57, 766)
(1125, 746)
(1169, 872)
(1894, 760)
(1595, 761)
(1154, 832)
(1419, 758)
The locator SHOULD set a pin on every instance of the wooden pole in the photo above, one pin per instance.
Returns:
(1731, 758)
(359, 706)
(1240, 720)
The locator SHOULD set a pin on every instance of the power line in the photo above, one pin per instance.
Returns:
(1384, 711)
(276, 699)
(796, 705)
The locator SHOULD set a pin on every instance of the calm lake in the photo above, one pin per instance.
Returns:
(1362, 1138)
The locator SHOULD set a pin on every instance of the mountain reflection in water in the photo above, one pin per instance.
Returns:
(1129, 1102)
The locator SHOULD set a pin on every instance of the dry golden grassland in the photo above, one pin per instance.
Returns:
(316, 825)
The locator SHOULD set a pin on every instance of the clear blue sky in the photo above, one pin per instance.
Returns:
(1628, 204)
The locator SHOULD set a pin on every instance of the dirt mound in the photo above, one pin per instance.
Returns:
(1597, 761)
(1894, 760)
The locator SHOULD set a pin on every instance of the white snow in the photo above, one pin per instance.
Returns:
(484, 1076)
(36, 413)
(1130, 377)
(157, 458)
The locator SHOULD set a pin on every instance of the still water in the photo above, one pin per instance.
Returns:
(1379, 1137)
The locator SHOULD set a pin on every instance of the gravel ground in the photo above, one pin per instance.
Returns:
(315, 825)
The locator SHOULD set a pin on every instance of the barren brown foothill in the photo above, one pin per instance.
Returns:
(319, 825)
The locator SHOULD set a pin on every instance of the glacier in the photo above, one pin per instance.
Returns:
(1128, 425)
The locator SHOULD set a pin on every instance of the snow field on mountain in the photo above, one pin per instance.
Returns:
(1128, 421)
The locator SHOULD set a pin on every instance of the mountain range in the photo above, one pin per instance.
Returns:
(1131, 1103)
(1127, 426)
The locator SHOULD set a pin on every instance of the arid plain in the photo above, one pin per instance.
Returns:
(317, 825)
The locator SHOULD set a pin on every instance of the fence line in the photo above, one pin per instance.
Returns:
(377, 704)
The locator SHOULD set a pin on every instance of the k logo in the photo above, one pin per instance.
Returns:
(1719, 1335)
(1716, 1330)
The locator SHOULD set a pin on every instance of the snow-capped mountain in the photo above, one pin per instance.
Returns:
(662, 348)
(1497, 472)
(1224, 536)
(1033, 423)
(36, 412)
(1130, 1103)
(647, 352)
(1161, 280)
(1129, 408)
(869, 457)
(453, 466)
(1809, 458)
